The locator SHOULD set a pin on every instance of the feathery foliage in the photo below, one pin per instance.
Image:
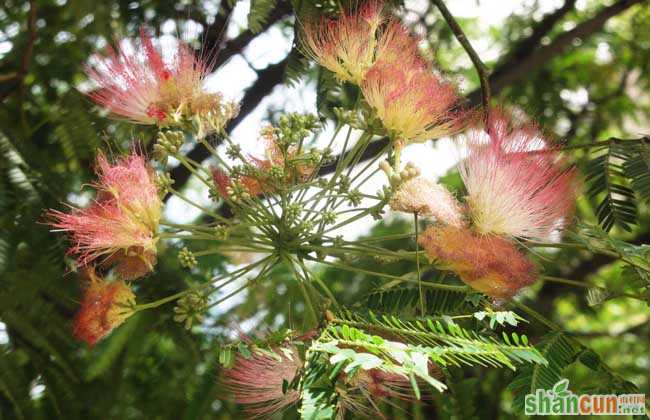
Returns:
(606, 176)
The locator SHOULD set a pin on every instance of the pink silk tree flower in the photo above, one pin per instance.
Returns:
(382, 384)
(257, 381)
(273, 157)
(490, 264)
(367, 387)
(518, 185)
(350, 45)
(413, 103)
(346, 46)
(119, 228)
(252, 185)
(428, 198)
(147, 85)
(104, 306)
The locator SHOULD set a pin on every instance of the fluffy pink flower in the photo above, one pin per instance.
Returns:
(413, 103)
(517, 183)
(367, 387)
(428, 198)
(350, 45)
(104, 307)
(490, 264)
(119, 227)
(257, 381)
(146, 86)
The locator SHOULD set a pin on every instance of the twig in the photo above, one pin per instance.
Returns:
(31, 28)
(18, 76)
(481, 69)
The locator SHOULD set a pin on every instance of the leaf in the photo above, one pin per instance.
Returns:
(296, 68)
(414, 385)
(637, 169)
(614, 383)
(199, 401)
(318, 394)
(499, 317)
(460, 403)
(111, 351)
(406, 299)
(558, 350)
(259, 14)
(327, 90)
(636, 256)
(315, 405)
(448, 344)
(596, 296)
(480, 315)
(242, 348)
(19, 174)
(606, 177)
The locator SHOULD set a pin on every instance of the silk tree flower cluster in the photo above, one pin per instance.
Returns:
(104, 306)
(518, 187)
(288, 204)
(260, 381)
(165, 87)
(370, 49)
(117, 231)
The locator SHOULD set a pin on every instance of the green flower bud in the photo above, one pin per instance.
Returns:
(190, 309)
(187, 258)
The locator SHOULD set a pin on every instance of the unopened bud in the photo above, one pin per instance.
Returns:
(385, 166)
(190, 309)
(187, 258)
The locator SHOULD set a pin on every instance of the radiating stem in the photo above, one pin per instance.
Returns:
(203, 209)
(439, 286)
(301, 283)
(320, 282)
(257, 278)
(417, 264)
(233, 276)
(379, 238)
